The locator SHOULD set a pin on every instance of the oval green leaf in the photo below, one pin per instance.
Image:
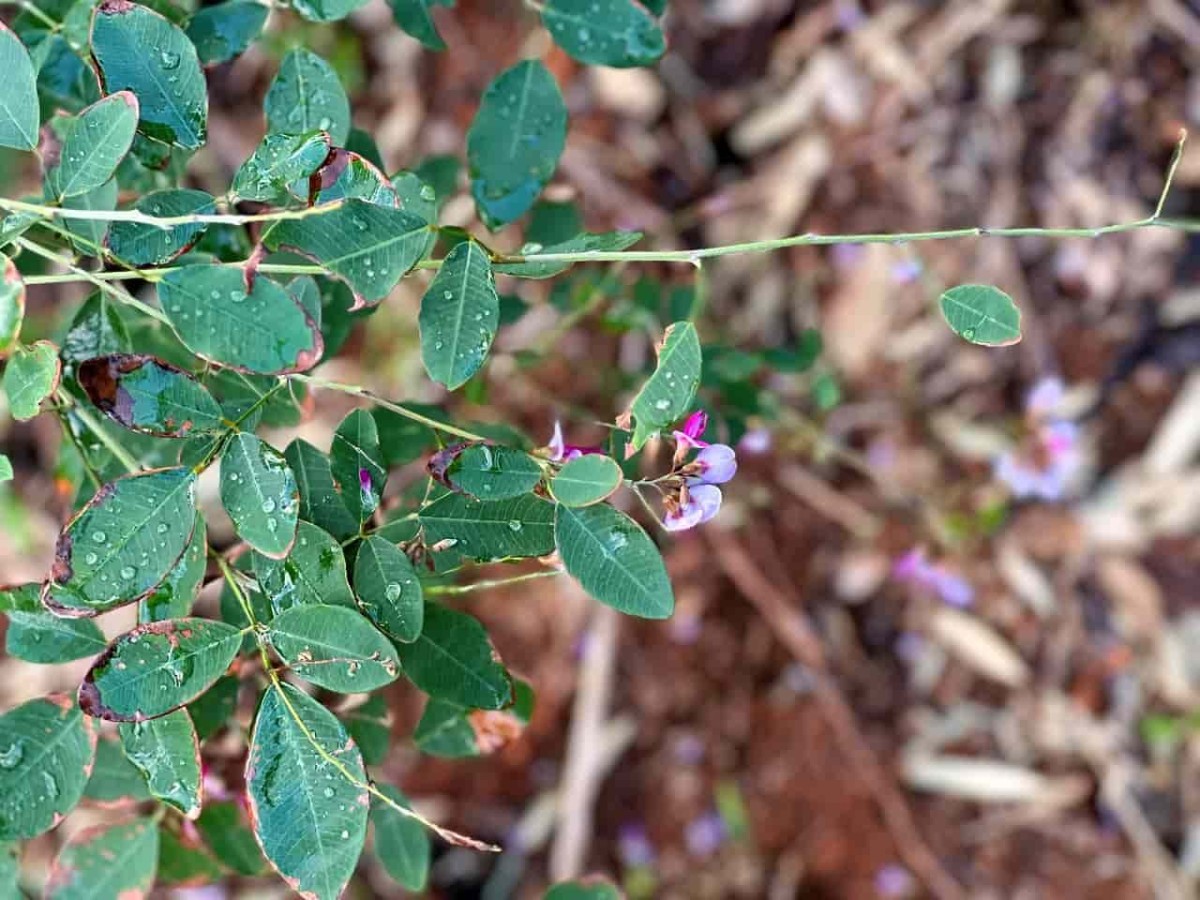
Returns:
(149, 396)
(494, 473)
(138, 50)
(19, 104)
(388, 589)
(123, 544)
(31, 375)
(167, 751)
(615, 33)
(401, 842)
(140, 244)
(320, 501)
(309, 817)
(491, 529)
(224, 31)
(110, 860)
(12, 305)
(173, 598)
(46, 752)
(226, 830)
(586, 480)
(36, 636)
(356, 462)
(280, 160)
(313, 572)
(157, 668)
(982, 314)
(334, 647)
(306, 96)
(515, 141)
(614, 560)
(415, 17)
(258, 490)
(460, 313)
(367, 246)
(115, 781)
(667, 395)
(453, 660)
(264, 331)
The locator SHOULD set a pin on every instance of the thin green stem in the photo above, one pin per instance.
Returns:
(164, 222)
(456, 589)
(32, 9)
(247, 610)
(93, 425)
(399, 410)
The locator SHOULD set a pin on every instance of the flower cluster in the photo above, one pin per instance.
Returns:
(1042, 466)
(915, 568)
(699, 498)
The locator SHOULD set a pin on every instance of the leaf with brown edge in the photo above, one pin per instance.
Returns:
(157, 668)
(111, 860)
(30, 377)
(149, 396)
(123, 543)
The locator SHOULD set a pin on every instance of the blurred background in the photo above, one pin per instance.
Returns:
(901, 665)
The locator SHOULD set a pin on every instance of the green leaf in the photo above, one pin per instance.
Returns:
(227, 831)
(157, 668)
(656, 7)
(460, 313)
(19, 104)
(213, 709)
(136, 49)
(224, 31)
(12, 304)
(87, 236)
(346, 174)
(307, 96)
(416, 196)
(416, 18)
(370, 724)
(10, 871)
(326, 10)
(369, 247)
(401, 842)
(982, 314)
(604, 32)
(149, 396)
(668, 393)
(310, 818)
(453, 660)
(167, 751)
(173, 598)
(258, 490)
(440, 173)
(515, 141)
(334, 648)
(184, 861)
(456, 732)
(402, 439)
(111, 860)
(491, 529)
(123, 543)
(46, 752)
(320, 501)
(115, 781)
(494, 473)
(6, 469)
(591, 888)
(278, 161)
(586, 480)
(605, 242)
(148, 245)
(314, 572)
(36, 636)
(614, 560)
(30, 377)
(263, 331)
(97, 330)
(355, 450)
(388, 589)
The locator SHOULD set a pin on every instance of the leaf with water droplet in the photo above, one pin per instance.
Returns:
(607, 241)
(454, 660)
(334, 647)
(253, 473)
(111, 860)
(86, 149)
(149, 396)
(313, 572)
(515, 141)
(225, 30)
(311, 839)
(119, 530)
(586, 479)
(37, 636)
(667, 395)
(320, 501)
(19, 105)
(388, 589)
(346, 174)
(460, 313)
(167, 751)
(264, 330)
(174, 596)
(356, 462)
(982, 314)
(305, 93)
(137, 49)
(615, 33)
(482, 529)
(281, 160)
(141, 244)
(47, 737)
(157, 668)
(401, 842)
(30, 376)
(493, 472)
(614, 560)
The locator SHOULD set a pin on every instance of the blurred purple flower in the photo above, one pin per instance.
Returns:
(1044, 397)
(894, 881)
(915, 568)
(1043, 465)
(688, 749)
(754, 442)
(704, 501)
(715, 464)
(907, 271)
(684, 628)
(704, 835)
(633, 846)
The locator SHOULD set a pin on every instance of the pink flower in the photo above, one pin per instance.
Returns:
(703, 502)
(915, 568)
(695, 425)
(561, 451)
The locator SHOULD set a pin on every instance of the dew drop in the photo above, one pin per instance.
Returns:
(268, 505)
(99, 537)
(12, 756)
(328, 792)
(272, 524)
(90, 559)
(662, 404)
(514, 525)
(392, 591)
(128, 572)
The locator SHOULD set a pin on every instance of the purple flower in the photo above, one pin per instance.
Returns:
(704, 835)
(1043, 465)
(894, 881)
(755, 441)
(906, 271)
(694, 426)
(703, 502)
(633, 846)
(715, 464)
(915, 568)
(1044, 398)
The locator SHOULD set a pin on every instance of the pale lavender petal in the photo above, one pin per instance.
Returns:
(708, 498)
(754, 442)
(687, 515)
(1044, 397)
(953, 589)
(894, 881)
(718, 463)
(556, 445)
